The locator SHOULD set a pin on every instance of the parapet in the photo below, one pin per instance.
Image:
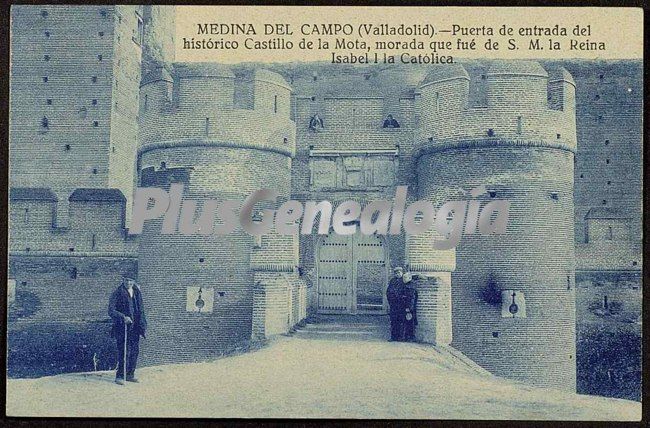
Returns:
(443, 73)
(522, 103)
(206, 103)
(516, 68)
(97, 223)
(32, 194)
(97, 195)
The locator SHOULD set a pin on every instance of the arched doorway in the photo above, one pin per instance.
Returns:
(352, 274)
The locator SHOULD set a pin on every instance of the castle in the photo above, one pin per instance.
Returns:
(530, 133)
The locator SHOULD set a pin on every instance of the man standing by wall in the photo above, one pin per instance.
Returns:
(394, 292)
(129, 323)
(409, 304)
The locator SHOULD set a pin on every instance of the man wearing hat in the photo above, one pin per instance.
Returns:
(394, 293)
(129, 323)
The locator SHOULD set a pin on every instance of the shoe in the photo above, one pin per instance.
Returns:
(132, 379)
(119, 381)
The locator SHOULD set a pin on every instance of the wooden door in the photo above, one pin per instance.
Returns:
(370, 274)
(335, 274)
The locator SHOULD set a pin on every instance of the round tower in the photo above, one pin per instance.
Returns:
(199, 288)
(521, 148)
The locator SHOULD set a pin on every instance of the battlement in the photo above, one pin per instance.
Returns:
(96, 223)
(509, 103)
(207, 104)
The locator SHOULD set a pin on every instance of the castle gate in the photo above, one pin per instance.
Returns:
(351, 274)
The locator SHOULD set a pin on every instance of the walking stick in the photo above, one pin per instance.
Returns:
(125, 333)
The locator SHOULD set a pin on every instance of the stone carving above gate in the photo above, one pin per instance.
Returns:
(350, 170)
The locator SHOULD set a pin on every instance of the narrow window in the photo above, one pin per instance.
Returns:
(146, 99)
(67, 147)
(26, 218)
(93, 79)
(101, 34)
(49, 101)
(100, 57)
(47, 34)
(103, 13)
(46, 57)
(94, 170)
(519, 124)
(607, 161)
(275, 104)
(44, 13)
(140, 35)
(93, 241)
(94, 102)
(95, 124)
(45, 123)
(73, 273)
(207, 126)
(610, 233)
(607, 142)
(45, 79)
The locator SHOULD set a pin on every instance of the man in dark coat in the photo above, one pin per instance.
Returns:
(409, 303)
(394, 292)
(125, 308)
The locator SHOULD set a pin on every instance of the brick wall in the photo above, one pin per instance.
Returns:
(95, 227)
(63, 75)
(608, 169)
(51, 289)
(213, 159)
(535, 256)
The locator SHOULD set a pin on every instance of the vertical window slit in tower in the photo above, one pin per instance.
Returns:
(146, 99)
(610, 233)
(519, 124)
(437, 102)
(26, 215)
(275, 104)
(93, 241)
(207, 126)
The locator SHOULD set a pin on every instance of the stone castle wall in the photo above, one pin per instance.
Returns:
(524, 156)
(198, 103)
(75, 74)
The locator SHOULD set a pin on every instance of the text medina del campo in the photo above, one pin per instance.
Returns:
(177, 214)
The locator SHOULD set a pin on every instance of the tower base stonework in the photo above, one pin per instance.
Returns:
(434, 308)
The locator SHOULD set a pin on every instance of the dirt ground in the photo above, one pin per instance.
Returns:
(312, 377)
